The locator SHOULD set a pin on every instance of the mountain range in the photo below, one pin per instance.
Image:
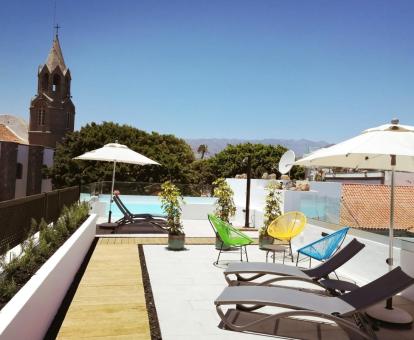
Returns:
(215, 145)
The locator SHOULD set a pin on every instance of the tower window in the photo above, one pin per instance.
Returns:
(68, 120)
(45, 81)
(56, 83)
(41, 116)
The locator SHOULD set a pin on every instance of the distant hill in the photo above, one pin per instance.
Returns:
(215, 145)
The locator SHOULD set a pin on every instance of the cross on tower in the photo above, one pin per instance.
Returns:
(57, 28)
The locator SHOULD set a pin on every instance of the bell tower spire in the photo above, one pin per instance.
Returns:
(52, 112)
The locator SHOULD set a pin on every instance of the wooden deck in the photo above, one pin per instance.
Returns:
(110, 300)
(156, 240)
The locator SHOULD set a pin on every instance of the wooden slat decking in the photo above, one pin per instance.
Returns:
(156, 240)
(110, 300)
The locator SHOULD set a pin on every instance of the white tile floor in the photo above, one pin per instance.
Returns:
(185, 285)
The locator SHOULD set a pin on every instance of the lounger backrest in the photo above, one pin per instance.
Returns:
(121, 207)
(325, 247)
(378, 290)
(337, 260)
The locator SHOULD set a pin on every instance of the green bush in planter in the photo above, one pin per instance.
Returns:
(225, 207)
(16, 272)
(170, 201)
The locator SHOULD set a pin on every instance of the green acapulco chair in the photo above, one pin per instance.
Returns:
(229, 236)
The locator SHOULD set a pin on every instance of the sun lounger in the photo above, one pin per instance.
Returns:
(280, 272)
(299, 304)
(130, 218)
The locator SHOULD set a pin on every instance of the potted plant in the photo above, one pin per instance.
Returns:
(170, 199)
(225, 207)
(271, 212)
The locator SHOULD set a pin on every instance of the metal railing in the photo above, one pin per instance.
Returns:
(16, 215)
(145, 188)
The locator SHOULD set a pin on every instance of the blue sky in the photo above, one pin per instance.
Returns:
(321, 70)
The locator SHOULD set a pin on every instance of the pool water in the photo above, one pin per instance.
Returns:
(137, 204)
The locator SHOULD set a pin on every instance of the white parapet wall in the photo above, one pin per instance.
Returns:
(196, 211)
(322, 201)
(407, 264)
(29, 314)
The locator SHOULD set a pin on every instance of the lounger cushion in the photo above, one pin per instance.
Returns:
(283, 297)
(266, 268)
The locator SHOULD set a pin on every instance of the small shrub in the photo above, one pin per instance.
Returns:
(170, 201)
(20, 269)
(272, 207)
(225, 207)
(8, 288)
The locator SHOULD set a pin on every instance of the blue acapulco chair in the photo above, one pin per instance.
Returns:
(323, 248)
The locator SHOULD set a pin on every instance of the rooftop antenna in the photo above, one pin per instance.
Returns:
(286, 162)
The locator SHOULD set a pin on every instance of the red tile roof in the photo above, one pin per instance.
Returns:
(368, 206)
(7, 135)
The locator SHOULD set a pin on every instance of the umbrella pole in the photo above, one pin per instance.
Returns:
(390, 314)
(112, 192)
(390, 259)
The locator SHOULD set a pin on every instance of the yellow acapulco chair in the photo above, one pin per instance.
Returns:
(287, 226)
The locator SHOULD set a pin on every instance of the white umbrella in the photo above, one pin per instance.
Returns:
(386, 147)
(116, 153)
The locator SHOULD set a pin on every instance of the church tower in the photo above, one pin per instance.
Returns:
(52, 113)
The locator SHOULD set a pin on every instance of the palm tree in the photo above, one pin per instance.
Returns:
(202, 149)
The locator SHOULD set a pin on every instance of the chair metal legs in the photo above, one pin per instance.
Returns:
(221, 248)
(247, 258)
(291, 252)
(241, 253)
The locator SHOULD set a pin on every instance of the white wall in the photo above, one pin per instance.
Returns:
(30, 312)
(22, 157)
(257, 199)
(401, 178)
(324, 195)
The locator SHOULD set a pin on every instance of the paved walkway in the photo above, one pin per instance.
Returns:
(110, 301)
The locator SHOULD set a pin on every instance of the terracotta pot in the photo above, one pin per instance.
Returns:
(176, 242)
(218, 245)
(265, 240)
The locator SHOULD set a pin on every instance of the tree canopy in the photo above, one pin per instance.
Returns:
(177, 160)
(173, 153)
(264, 158)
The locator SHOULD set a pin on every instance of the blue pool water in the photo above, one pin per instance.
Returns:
(148, 204)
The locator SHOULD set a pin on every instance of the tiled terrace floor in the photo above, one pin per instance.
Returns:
(109, 302)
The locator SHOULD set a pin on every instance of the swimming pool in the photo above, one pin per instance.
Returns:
(151, 204)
